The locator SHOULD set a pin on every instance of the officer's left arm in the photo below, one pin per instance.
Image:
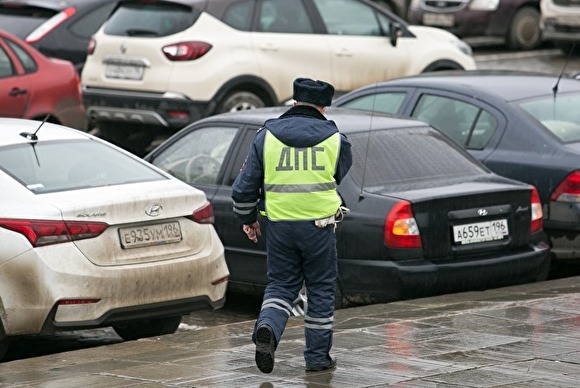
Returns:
(344, 159)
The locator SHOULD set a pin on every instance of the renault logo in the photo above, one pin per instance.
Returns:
(123, 47)
(153, 210)
(482, 212)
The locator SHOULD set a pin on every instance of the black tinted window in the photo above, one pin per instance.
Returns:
(6, 68)
(25, 59)
(86, 26)
(408, 155)
(21, 21)
(150, 19)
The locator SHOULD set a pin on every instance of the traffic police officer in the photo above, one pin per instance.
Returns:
(292, 170)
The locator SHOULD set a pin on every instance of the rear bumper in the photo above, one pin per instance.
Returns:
(369, 281)
(168, 110)
(33, 283)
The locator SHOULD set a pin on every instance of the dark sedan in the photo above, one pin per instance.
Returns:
(60, 29)
(425, 218)
(515, 22)
(522, 126)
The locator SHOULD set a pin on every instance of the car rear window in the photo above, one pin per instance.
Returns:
(408, 155)
(22, 20)
(144, 18)
(559, 114)
(53, 166)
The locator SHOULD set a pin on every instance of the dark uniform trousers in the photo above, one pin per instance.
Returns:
(299, 251)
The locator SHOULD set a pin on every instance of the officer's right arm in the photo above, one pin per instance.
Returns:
(247, 186)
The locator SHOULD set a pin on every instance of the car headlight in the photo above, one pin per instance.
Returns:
(462, 46)
(484, 5)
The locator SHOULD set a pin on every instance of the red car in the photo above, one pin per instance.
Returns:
(33, 86)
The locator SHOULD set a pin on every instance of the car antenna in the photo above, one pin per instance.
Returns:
(555, 87)
(32, 136)
(361, 195)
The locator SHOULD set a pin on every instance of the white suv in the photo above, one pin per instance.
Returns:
(163, 64)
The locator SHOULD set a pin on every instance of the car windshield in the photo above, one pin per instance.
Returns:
(53, 166)
(407, 156)
(559, 114)
(150, 19)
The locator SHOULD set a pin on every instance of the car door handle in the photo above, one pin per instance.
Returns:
(344, 53)
(268, 47)
(15, 92)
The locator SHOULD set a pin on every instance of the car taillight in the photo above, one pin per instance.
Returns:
(537, 216)
(91, 46)
(204, 215)
(41, 31)
(186, 51)
(43, 232)
(401, 230)
(568, 190)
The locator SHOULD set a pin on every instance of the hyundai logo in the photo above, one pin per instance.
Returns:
(153, 210)
(482, 212)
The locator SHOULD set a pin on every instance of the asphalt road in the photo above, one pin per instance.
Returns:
(241, 308)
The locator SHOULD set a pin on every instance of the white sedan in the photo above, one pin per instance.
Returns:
(92, 236)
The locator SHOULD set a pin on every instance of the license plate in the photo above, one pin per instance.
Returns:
(156, 234)
(438, 19)
(124, 72)
(480, 232)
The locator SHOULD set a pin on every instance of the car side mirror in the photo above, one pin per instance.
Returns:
(394, 33)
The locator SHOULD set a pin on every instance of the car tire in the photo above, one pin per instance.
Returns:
(240, 100)
(524, 32)
(147, 328)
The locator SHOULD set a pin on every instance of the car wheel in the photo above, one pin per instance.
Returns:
(301, 303)
(147, 328)
(524, 32)
(237, 101)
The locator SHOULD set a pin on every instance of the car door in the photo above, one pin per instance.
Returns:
(360, 47)
(14, 90)
(286, 46)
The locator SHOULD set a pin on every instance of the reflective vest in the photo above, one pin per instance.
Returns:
(299, 182)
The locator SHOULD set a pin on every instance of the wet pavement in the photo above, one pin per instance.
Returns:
(521, 336)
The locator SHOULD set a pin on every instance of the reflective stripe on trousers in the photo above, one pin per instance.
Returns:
(300, 252)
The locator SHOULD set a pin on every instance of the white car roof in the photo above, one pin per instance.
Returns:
(11, 129)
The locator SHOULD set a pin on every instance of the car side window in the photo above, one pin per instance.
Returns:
(25, 59)
(6, 67)
(284, 16)
(464, 123)
(380, 102)
(344, 17)
(239, 15)
(482, 132)
(197, 157)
